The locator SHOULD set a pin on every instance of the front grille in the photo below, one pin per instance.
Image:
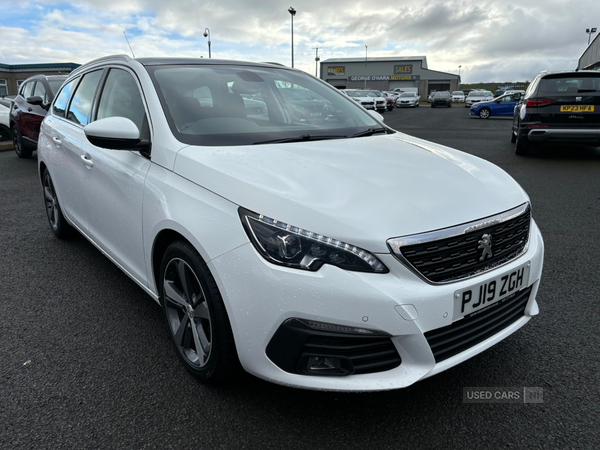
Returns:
(460, 256)
(367, 354)
(465, 333)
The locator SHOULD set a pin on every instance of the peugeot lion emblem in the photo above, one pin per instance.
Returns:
(486, 245)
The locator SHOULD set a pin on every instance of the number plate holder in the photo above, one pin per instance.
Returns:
(475, 298)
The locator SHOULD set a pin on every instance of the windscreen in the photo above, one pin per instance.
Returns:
(55, 85)
(241, 105)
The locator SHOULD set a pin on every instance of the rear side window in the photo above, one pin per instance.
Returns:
(81, 105)
(60, 104)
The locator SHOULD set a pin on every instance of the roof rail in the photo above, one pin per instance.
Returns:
(103, 58)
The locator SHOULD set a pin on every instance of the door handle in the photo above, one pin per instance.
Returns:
(30, 109)
(57, 141)
(87, 160)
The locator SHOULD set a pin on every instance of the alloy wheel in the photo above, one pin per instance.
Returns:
(187, 312)
(51, 202)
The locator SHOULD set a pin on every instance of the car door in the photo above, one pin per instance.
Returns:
(23, 112)
(115, 179)
(66, 168)
(506, 106)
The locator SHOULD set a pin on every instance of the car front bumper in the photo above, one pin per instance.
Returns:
(260, 297)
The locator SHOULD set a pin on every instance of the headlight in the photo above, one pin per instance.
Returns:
(287, 245)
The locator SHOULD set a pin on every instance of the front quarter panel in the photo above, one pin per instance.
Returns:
(209, 222)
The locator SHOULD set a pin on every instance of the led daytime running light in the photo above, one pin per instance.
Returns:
(362, 254)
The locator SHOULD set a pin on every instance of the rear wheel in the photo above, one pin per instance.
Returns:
(522, 145)
(20, 149)
(195, 314)
(57, 221)
(5, 134)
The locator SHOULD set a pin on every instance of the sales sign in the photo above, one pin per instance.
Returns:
(404, 69)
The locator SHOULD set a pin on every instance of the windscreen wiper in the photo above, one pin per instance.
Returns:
(302, 137)
(369, 132)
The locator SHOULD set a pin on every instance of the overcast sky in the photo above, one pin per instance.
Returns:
(492, 40)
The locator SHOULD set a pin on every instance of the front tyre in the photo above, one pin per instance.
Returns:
(485, 113)
(57, 221)
(195, 314)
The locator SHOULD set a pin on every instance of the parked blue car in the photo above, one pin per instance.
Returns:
(502, 106)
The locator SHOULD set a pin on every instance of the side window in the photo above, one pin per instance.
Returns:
(121, 98)
(27, 90)
(3, 88)
(60, 104)
(40, 90)
(81, 105)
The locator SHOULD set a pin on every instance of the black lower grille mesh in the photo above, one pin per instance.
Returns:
(460, 256)
(464, 334)
(367, 354)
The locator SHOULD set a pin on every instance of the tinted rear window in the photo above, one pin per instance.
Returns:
(569, 84)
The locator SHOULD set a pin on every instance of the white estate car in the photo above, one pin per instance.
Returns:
(327, 252)
(458, 96)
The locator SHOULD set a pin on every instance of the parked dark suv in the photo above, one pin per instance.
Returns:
(558, 107)
(441, 98)
(29, 108)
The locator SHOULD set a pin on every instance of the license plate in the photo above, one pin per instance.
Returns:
(577, 108)
(473, 299)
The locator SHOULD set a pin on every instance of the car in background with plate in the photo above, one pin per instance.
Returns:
(458, 97)
(502, 106)
(441, 98)
(478, 96)
(560, 107)
(408, 100)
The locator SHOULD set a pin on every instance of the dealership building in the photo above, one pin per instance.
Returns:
(12, 75)
(386, 74)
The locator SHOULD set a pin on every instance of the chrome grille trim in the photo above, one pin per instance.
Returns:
(396, 244)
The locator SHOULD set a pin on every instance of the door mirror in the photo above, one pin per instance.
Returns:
(115, 133)
(35, 100)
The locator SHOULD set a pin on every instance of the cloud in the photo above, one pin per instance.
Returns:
(490, 39)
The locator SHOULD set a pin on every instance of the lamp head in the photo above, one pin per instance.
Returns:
(292, 11)
(205, 34)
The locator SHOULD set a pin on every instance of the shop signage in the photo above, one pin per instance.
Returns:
(384, 78)
(404, 69)
(339, 70)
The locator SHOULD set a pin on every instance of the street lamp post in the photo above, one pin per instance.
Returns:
(317, 59)
(459, 75)
(292, 11)
(207, 33)
(589, 32)
(366, 46)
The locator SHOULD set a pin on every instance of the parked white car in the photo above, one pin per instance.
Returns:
(361, 97)
(458, 97)
(328, 253)
(478, 96)
(5, 133)
(408, 100)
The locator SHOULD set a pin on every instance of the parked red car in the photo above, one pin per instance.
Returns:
(389, 100)
(29, 108)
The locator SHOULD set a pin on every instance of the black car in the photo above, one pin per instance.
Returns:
(29, 108)
(441, 98)
(558, 107)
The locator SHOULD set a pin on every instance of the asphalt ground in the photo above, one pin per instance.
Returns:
(86, 361)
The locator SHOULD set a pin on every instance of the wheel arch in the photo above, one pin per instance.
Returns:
(161, 242)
